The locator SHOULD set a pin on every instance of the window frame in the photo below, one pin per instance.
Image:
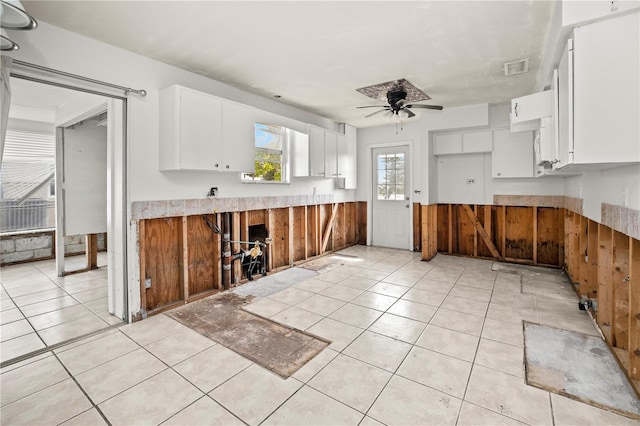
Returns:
(285, 176)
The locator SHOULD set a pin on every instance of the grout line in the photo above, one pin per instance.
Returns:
(93, 404)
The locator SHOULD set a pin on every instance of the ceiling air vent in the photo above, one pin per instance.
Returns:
(516, 67)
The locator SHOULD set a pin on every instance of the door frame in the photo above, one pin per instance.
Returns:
(370, 148)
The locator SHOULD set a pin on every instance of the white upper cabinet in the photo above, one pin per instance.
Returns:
(190, 130)
(448, 143)
(475, 142)
(512, 155)
(532, 107)
(316, 152)
(348, 159)
(238, 134)
(199, 131)
(606, 91)
(330, 154)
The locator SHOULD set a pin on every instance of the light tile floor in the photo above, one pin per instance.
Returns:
(439, 343)
(40, 309)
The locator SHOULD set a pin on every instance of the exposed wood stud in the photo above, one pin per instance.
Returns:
(235, 248)
(475, 231)
(503, 222)
(217, 265)
(91, 251)
(328, 229)
(290, 240)
(142, 244)
(634, 308)
(535, 234)
(620, 320)
(184, 288)
(483, 233)
(450, 249)
(305, 231)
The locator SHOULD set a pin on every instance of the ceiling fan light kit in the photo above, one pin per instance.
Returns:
(398, 94)
(13, 17)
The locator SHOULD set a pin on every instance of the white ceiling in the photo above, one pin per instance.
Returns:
(316, 54)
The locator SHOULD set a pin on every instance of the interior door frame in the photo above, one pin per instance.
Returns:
(408, 143)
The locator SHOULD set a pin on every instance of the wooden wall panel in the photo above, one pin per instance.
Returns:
(499, 230)
(634, 308)
(299, 233)
(548, 244)
(590, 283)
(443, 227)
(417, 226)
(312, 230)
(519, 233)
(163, 261)
(202, 256)
(605, 274)
(361, 221)
(464, 232)
(484, 216)
(280, 237)
(429, 231)
(350, 226)
(256, 217)
(620, 320)
(337, 234)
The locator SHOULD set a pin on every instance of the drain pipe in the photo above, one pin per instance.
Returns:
(226, 253)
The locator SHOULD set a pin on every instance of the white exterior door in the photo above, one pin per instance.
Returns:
(391, 201)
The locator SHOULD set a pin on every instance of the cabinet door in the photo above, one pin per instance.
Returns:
(512, 154)
(347, 161)
(473, 142)
(200, 134)
(448, 144)
(607, 91)
(238, 135)
(330, 154)
(532, 107)
(565, 108)
(316, 151)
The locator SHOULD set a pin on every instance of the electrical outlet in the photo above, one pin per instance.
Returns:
(471, 181)
(213, 192)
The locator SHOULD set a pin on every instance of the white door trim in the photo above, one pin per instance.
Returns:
(370, 148)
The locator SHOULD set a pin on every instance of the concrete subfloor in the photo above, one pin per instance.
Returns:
(413, 342)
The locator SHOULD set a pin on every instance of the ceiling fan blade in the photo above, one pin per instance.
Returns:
(374, 106)
(438, 107)
(411, 114)
(374, 113)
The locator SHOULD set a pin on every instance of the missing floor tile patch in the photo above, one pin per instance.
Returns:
(577, 366)
(274, 346)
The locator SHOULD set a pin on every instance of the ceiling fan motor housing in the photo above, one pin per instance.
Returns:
(395, 95)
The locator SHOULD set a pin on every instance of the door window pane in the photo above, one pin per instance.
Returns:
(390, 176)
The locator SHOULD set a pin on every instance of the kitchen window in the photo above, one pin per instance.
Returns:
(271, 155)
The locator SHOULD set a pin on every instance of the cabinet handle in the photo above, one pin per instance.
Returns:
(216, 165)
(515, 109)
(227, 166)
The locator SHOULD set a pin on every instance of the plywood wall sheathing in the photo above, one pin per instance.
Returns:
(337, 233)
(443, 228)
(163, 261)
(298, 233)
(256, 217)
(429, 225)
(519, 233)
(350, 224)
(591, 267)
(361, 221)
(634, 308)
(583, 236)
(202, 256)
(620, 320)
(548, 219)
(280, 236)
(312, 230)
(605, 275)
(464, 231)
(328, 228)
(417, 223)
(479, 230)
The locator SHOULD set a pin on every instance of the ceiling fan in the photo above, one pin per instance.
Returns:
(400, 95)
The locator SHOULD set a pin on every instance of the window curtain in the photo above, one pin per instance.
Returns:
(5, 91)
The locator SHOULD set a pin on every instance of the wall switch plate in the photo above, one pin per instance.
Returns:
(471, 181)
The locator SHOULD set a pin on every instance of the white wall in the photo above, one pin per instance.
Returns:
(60, 49)
(619, 186)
